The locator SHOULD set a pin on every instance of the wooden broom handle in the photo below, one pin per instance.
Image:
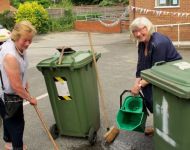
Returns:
(46, 129)
(102, 97)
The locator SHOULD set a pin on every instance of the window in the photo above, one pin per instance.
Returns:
(160, 3)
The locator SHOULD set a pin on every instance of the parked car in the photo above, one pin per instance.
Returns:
(4, 34)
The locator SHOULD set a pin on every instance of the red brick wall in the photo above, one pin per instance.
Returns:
(4, 5)
(96, 26)
(165, 18)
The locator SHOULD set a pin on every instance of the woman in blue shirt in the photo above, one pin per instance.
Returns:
(152, 47)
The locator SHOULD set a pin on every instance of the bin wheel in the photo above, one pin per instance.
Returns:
(54, 131)
(92, 136)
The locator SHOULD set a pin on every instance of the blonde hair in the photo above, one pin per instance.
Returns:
(142, 22)
(21, 28)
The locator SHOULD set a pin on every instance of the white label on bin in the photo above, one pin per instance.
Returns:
(62, 88)
(182, 65)
(163, 109)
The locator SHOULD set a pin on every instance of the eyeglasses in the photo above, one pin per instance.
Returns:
(138, 30)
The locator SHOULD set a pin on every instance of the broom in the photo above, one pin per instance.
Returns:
(46, 129)
(112, 132)
(45, 126)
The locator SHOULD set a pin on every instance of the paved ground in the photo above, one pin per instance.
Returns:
(116, 68)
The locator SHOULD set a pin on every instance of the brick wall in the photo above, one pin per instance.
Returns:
(96, 26)
(4, 5)
(108, 14)
(171, 32)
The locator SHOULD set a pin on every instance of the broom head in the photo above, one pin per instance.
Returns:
(111, 134)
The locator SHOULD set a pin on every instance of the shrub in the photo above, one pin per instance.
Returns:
(88, 16)
(7, 19)
(15, 3)
(35, 13)
(44, 3)
(66, 4)
(63, 23)
(112, 2)
(106, 3)
(78, 2)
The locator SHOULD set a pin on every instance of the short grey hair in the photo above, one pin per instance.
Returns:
(142, 22)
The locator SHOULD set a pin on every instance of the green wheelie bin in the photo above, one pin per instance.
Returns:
(171, 104)
(73, 93)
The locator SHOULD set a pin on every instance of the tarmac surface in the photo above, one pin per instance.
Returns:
(117, 72)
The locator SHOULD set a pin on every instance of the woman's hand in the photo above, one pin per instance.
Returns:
(138, 85)
(33, 101)
(135, 89)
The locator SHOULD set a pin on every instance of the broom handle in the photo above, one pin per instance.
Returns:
(102, 97)
(46, 129)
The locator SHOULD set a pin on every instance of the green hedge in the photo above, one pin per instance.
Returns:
(88, 16)
(7, 19)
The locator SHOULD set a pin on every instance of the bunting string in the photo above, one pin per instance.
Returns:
(140, 10)
(117, 21)
(157, 12)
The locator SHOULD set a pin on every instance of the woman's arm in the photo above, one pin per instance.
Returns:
(12, 70)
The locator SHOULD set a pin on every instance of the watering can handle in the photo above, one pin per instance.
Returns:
(140, 93)
(121, 96)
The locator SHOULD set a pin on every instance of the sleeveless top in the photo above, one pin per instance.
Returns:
(8, 47)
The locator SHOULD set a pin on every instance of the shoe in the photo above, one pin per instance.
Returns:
(149, 131)
(8, 146)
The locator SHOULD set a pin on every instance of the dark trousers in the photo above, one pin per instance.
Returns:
(13, 127)
(147, 92)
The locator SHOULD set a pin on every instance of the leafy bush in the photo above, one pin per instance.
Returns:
(7, 19)
(125, 2)
(88, 16)
(35, 13)
(44, 3)
(66, 4)
(112, 2)
(63, 23)
(106, 3)
(78, 2)
(15, 3)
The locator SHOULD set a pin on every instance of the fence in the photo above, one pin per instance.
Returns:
(106, 13)
(174, 25)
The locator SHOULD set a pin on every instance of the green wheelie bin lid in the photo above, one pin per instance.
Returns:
(72, 60)
(170, 76)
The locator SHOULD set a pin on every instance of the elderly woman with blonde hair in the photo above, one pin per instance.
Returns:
(152, 47)
(13, 65)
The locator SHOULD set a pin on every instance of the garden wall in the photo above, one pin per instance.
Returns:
(97, 26)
